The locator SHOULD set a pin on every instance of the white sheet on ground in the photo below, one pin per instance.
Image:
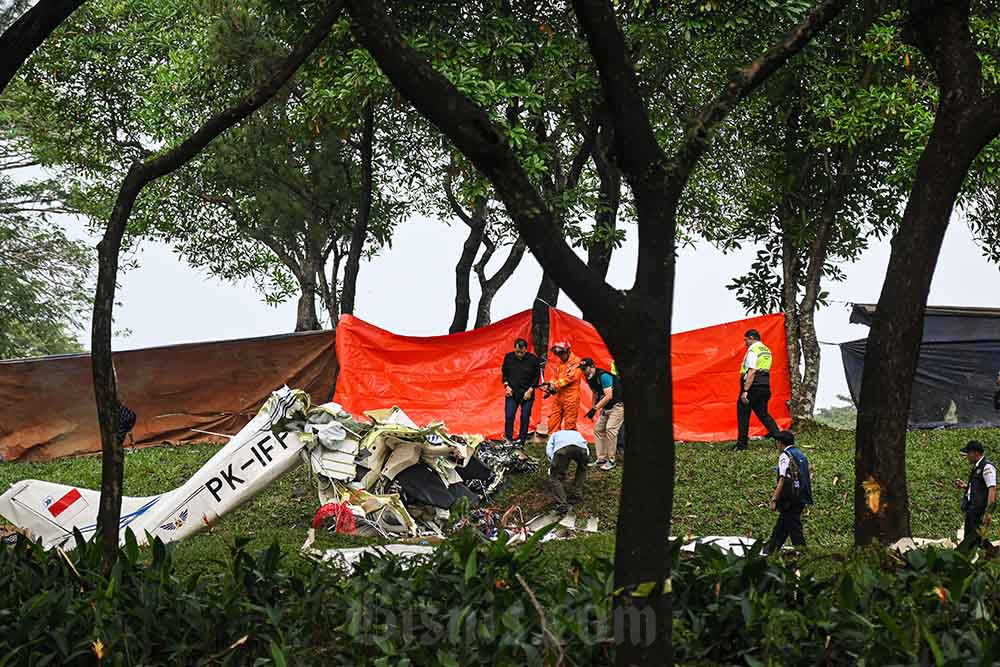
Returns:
(348, 558)
(736, 545)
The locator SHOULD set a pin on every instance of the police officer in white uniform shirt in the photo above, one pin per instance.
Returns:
(792, 493)
(980, 494)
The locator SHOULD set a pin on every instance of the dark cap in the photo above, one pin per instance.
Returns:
(586, 362)
(973, 446)
(785, 437)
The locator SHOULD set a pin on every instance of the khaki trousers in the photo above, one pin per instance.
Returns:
(606, 431)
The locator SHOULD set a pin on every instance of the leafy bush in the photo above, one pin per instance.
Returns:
(475, 602)
(59, 609)
(467, 603)
(930, 606)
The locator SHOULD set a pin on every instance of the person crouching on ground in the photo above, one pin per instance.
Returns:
(564, 447)
(791, 494)
(607, 391)
(980, 494)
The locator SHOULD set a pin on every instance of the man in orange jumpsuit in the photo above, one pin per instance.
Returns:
(565, 385)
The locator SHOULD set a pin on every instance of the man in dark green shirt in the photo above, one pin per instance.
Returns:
(607, 391)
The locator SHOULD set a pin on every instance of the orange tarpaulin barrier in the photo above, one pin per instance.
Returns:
(455, 378)
(47, 405)
(706, 366)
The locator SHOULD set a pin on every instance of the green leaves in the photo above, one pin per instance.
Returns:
(455, 607)
(44, 281)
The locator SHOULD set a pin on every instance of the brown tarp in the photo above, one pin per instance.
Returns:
(47, 405)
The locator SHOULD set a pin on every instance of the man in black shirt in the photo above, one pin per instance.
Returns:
(521, 374)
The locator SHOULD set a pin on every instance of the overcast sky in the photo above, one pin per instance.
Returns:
(409, 289)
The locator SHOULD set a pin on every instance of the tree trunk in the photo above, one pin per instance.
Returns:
(964, 124)
(811, 358)
(330, 294)
(635, 324)
(642, 552)
(28, 32)
(360, 230)
(336, 369)
(305, 316)
(790, 308)
(463, 273)
(109, 249)
(894, 341)
(548, 295)
(490, 286)
(608, 198)
(105, 387)
(805, 387)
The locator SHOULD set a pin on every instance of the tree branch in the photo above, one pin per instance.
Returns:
(490, 286)
(294, 264)
(27, 33)
(139, 175)
(178, 156)
(510, 264)
(359, 231)
(480, 268)
(456, 208)
(941, 31)
(24, 162)
(477, 137)
(636, 148)
(745, 80)
(583, 152)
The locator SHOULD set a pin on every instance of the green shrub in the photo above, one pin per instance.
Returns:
(475, 602)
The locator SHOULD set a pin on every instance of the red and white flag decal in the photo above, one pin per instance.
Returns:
(64, 503)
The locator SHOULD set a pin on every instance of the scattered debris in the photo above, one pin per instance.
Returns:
(346, 559)
(387, 477)
(910, 543)
(738, 546)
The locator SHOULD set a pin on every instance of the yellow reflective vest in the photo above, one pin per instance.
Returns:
(758, 357)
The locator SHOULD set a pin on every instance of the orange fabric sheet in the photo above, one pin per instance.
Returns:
(455, 378)
(47, 405)
(706, 367)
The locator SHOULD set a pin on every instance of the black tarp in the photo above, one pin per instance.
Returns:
(420, 484)
(959, 360)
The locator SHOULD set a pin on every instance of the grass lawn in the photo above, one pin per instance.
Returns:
(718, 493)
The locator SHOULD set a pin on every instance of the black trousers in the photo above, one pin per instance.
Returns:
(511, 404)
(789, 524)
(973, 520)
(757, 403)
(560, 466)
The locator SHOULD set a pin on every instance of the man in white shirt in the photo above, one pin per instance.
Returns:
(755, 389)
(980, 494)
(792, 493)
(563, 447)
